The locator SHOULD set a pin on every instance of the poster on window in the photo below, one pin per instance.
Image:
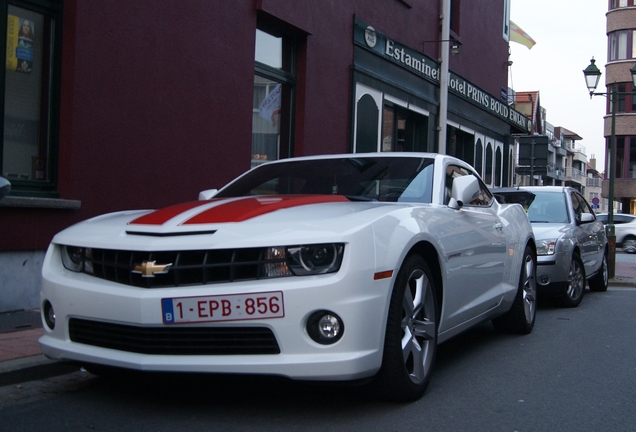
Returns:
(269, 109)
(20, 33)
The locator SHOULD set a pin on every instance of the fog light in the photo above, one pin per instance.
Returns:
(544, 279)
(325, 327)
(48, 314)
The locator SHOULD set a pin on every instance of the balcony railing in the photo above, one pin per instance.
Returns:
(555, 171)
(575, 175)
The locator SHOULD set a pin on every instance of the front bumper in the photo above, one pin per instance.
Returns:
(354, 296)
(553, 270)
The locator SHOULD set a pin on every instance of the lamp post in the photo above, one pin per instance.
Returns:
(592, 76)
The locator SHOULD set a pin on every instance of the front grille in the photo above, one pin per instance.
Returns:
(195, 267)
(174, 340)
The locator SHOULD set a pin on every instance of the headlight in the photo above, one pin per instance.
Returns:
(77, 259)
(315, 259)
(546, 247)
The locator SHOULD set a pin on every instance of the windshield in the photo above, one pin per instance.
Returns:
(548, 208)
(389, 179)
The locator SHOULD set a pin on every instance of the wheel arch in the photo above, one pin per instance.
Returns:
(427, 251)
(530, 242)
(625, 238)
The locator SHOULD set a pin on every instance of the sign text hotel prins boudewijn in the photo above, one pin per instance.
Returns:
(422, 65)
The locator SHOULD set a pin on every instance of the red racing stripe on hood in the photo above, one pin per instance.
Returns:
(159, 217)
(243, 209)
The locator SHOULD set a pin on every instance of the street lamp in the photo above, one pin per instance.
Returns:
(592, 77)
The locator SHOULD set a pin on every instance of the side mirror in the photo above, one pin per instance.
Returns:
(465, 189)
(207, 194)
(5, 187)
(586, 218)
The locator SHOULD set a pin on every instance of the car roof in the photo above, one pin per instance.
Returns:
(363, 155)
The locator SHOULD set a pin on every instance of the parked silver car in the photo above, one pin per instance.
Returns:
(625, 229)
(571, 240)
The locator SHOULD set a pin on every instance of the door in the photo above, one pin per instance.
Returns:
(590, 235)
(476, 257)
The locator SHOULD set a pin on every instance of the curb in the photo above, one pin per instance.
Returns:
(32, 368)
(622, 282)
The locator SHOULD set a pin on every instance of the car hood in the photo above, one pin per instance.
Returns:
(245, 221)
(548, 230)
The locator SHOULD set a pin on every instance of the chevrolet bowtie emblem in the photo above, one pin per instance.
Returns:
(149, 269)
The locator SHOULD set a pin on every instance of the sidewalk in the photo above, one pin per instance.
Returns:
(625, 275)
(20, 356)
(21, 359)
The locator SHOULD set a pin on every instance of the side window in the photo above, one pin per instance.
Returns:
(580, 205)
(484, 199)
(618, 219)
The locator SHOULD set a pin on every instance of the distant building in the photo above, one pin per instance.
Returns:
(549, 156)
(593, 186)
(621, 34)
(575, 158)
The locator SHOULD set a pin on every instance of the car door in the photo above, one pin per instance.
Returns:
(590, 235)
(476, 254)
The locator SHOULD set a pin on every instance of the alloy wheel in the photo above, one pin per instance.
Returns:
(418, 326)
(529, 288)
(576, 280)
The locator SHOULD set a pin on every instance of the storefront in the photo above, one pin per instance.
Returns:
(396, 108)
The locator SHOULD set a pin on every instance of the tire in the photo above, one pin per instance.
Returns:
(575, 285)
(600, 281)
(410, 344)
(629, 244)
(521, 316)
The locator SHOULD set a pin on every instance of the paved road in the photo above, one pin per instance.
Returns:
(575, 372)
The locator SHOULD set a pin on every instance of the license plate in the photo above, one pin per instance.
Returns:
(232, 307)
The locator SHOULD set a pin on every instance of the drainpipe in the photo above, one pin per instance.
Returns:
(443, 81)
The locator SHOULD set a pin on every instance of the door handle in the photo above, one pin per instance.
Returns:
(499, 226)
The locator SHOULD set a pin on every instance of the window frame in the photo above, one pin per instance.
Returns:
(616, 4)
(621, 41)
(53, 10)
(626, 98)
(287, 76)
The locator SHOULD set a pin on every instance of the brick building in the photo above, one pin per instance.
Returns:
(141, 104)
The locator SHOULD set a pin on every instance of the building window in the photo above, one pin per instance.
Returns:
(621, 45)
(403, 130)
(31, 94)
(274, 84)
(632, 157)
(620, 157)
(498, 167)
(455, 6)
(615, 4)
(488, 176)
(479, 157)
(625, 99)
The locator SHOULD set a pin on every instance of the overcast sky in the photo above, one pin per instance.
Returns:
(568, 33)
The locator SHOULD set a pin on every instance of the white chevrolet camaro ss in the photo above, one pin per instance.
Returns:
(330, 268)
